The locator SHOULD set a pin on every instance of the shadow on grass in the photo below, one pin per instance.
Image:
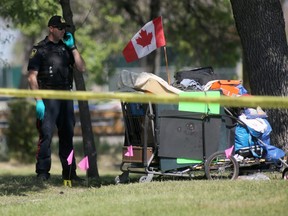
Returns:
(19, 185)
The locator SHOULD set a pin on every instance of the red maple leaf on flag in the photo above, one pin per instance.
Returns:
(144, 39)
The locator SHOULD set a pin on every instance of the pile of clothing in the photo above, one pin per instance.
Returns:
(252, 133)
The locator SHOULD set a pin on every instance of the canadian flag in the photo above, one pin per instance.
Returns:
(147, 39)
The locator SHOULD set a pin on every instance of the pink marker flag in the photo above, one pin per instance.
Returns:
(84, 163)
(129, 152)
(147, 39)
(70, 157)
(228, 152)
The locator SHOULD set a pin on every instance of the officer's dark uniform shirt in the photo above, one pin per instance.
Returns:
(54, 65)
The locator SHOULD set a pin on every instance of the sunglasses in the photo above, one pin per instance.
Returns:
(59, 28)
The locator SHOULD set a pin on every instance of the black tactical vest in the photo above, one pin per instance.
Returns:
(55, 69)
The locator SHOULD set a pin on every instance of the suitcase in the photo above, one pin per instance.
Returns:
(201, 75)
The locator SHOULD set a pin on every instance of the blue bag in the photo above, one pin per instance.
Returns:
(242, 138)
(137, 109)
(272, 153)
(266, 135)
(242, 90)
(246, 137)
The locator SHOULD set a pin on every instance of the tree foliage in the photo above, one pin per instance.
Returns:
(203, 33)
(27, 12)
(21, 133)
(198, 32)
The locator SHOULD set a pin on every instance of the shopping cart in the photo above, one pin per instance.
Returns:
(179, 140)
(164, 141)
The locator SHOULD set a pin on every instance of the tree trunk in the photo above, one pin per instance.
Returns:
(86, 126)
(261, 27)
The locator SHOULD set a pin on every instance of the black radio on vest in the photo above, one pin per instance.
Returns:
(54, 65)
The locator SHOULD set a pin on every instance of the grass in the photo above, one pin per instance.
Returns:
(22, 194)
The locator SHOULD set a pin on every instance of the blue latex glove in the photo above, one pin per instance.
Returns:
(69, 40)
(40, 109)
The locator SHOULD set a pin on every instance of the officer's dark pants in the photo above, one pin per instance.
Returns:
(61, 114)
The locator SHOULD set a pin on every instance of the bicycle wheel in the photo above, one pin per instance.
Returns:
(218, 167)
(285, 174)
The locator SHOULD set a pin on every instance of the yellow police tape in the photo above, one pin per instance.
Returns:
(249, 101)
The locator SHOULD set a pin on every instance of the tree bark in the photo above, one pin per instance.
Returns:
(261, 27)
(86, 126)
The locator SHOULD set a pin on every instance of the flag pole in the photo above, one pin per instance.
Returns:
(166, 60)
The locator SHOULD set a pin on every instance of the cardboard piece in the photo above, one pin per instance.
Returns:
(154, 84)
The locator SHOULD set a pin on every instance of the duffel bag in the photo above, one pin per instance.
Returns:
(201, 75)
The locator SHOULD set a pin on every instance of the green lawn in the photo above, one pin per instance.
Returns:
(22, 194)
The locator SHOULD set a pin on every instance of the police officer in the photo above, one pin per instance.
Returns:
(51, 67)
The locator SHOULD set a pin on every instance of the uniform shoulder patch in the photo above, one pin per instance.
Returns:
(33, 52)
